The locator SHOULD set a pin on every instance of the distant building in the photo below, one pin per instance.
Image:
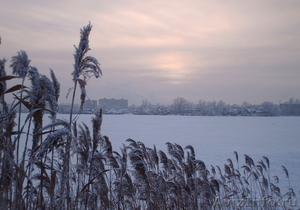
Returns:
(113, 103)
(290, 109)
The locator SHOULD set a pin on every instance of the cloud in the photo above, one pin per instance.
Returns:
(233, 50)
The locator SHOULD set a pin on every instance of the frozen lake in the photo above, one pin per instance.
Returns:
(214, 138)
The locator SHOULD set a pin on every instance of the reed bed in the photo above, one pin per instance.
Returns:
(68, 165)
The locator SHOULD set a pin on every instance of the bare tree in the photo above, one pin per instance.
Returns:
(271, 109)
(179, 105)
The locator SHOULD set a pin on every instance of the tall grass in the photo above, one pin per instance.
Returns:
(68, 165)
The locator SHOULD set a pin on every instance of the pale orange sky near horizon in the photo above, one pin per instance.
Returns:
(233, 51)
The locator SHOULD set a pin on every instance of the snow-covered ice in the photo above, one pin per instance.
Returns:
(214, 138)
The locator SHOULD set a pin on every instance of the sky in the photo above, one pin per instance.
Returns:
(232, 50)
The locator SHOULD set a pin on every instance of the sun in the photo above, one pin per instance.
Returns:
(172, 66)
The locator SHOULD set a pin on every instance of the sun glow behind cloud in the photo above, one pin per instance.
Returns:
(172, 66)
(175, 67)
(166, 34)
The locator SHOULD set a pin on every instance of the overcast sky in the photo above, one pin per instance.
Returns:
(233, 50)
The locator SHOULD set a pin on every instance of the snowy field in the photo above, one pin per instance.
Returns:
(214, 138)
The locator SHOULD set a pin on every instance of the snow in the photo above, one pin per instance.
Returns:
(215, 138)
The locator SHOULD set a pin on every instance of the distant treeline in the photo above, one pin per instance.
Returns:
(181, 106)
